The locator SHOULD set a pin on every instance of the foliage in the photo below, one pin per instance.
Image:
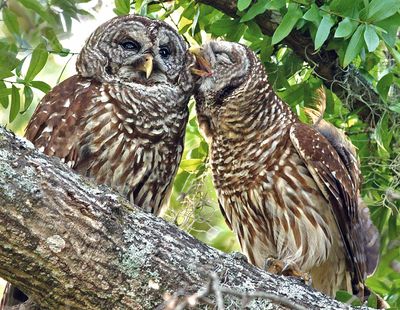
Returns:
(363, 33)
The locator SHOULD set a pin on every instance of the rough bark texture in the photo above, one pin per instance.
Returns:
(71, 244)
(347, 84)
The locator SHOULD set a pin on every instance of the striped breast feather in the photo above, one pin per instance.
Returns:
(334, 181)
(55, 122)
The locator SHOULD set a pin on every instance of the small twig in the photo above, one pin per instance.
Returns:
(214, 287)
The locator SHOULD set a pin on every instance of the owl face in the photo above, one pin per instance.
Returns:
(135, 49)
(231, 65)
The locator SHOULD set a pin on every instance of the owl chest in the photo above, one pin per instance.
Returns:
(129, 151)
(276, 209)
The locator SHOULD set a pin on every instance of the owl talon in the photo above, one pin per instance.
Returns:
(286, 269)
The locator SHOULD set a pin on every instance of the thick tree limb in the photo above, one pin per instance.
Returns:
(347, 84)
(70, 244)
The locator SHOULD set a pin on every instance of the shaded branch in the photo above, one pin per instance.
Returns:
(71, 244)
(347, 84)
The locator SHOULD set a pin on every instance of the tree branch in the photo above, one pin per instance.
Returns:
(71, 244)
(347, 84)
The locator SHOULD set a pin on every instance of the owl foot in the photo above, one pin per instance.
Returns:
(286, 269)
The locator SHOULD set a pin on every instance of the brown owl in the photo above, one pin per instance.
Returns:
(289, 191)
(121, 119)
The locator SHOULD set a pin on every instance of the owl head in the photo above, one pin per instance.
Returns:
(227, 71)
(135, 49)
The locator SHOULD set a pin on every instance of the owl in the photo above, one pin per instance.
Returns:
(290, 191)
(121, 119)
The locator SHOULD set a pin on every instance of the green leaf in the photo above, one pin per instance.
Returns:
(256, 9)
(38, 60)
(4, 93)
(341, 6)
(395, 54)
(191, 165)
(371, 38)
(10, 19)
(195, 21)
(15, 103)
(390, 26)
(260, 7)
(383, 136)
(384, 84)
(345, 28)
(323, 31)
(44, 87)
(5, 73)
(221, 26)
(39, 9)
(122, 7)
(313, 15)
(288, 22)
(381, 9)
(51, 37)
(395, 108)
(243, 4)
(355, 45)
(28, 95)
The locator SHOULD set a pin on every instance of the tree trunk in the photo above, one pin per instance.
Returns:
(71, 244)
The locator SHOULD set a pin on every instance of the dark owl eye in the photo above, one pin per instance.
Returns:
(130, 45)
(164, 51)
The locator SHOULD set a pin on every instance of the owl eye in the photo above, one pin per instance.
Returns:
(223, 57)
(130, 45)
(164, 51)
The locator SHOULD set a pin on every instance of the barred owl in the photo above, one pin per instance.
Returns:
(121, 120)
(288, 190)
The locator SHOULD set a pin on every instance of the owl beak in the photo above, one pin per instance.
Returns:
(147, 65)
(202, 66)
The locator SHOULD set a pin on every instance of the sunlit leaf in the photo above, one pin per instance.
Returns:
(122, 7)
(191, 165)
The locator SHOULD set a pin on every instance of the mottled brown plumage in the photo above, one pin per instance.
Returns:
(119, 121)
(289, 191)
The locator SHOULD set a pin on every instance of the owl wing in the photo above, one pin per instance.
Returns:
(53, 127)
(333, 179)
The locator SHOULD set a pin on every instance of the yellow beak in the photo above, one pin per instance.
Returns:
(202, 66)
(147, 65)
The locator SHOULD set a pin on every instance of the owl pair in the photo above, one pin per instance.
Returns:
(289, 191)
